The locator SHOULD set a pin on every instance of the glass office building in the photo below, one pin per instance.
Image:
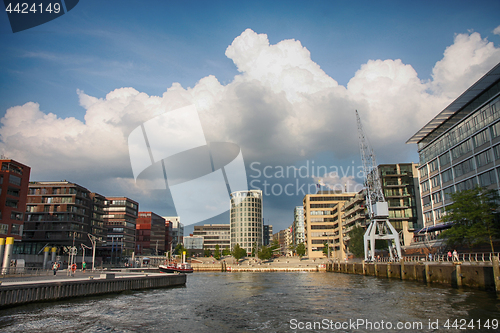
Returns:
(460, 148)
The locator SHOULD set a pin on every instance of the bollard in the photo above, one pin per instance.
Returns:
(45, 256)
(2, 246)
(496, 272)
(9, 247)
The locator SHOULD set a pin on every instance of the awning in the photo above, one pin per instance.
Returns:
(434, 228)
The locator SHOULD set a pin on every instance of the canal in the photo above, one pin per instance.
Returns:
(268, 302)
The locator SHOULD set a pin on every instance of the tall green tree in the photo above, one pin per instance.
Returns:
(265, 253)
(238, 252)
(226, 251)
(217, 252)
(356, 245)
(300, 250)
(325, 248)
(475, 217)
(179, 248)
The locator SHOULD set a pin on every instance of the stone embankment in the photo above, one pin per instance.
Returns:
(479, 275)
(256, 265)
(28, 291)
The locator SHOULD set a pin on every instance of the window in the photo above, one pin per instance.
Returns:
(447, 175)
(15, 180)
(496, 150)
(481, 138)
(444, 159)
(448, 192)
(467, 184)
(428, 217)
(426, 201)
(461, 149)
(423, 171)
(17, 229)
(433, 166)
(495, 130)
(4, 228)
(487, 178)
(464, 167)
(483, 158)
(438, 213)
(436, 197)
(425, 186)
(435, 181)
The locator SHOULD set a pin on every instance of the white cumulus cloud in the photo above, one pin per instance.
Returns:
(281, 108)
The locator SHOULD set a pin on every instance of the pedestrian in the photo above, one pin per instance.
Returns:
(449, 255)
(455, 255)
(430, 256)
(84, 266)
(55, 267)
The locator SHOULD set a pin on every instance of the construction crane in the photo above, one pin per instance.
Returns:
(378, 209)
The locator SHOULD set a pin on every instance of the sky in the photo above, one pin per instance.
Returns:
(280, 79)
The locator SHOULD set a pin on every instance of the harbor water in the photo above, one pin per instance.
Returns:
(268, 302)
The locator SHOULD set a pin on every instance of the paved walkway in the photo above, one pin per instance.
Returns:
(60, 276)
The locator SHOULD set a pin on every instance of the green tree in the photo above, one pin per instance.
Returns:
(325, 248)
(217, 252)
(238, 252)
(226, 252)
(265, 253)
(300, 250)
(254, 246)
(179, 248)
(356, 245)
(207, 253)
(475, 218)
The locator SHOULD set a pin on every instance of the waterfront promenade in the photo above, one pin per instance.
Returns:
(27, 289)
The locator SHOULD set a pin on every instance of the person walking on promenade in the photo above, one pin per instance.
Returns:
(455, 255)
(430, 256)
(84, 266)
(54, 267)
(449, 255)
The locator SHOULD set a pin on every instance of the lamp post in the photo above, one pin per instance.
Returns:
(93, 241)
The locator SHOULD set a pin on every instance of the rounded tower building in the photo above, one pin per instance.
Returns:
(246, 219)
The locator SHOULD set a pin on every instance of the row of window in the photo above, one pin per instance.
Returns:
(485, 179)
(480, 119)
(463, 168)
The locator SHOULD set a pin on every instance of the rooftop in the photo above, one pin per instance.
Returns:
(469, 95)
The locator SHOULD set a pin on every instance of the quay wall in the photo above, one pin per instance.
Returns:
(16, 294)
(244, 267)
(473, 275)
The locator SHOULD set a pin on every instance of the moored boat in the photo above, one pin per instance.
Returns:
(172, 267)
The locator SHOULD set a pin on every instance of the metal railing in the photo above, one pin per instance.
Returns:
(461, 257)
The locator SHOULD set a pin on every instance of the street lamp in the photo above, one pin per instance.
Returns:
(93, 241)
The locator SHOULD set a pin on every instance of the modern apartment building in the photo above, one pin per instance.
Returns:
(298, 226)
(58, 214)
(14, 180)
(246, 219)
(193, 245)
(400, 188)
(214, 234)
(323, 223)
(460, 148)
(354, 214)
(267, 234)
(177, 230)
(150, 234)
(120, 220)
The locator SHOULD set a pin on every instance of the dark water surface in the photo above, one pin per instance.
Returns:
(267, 302)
